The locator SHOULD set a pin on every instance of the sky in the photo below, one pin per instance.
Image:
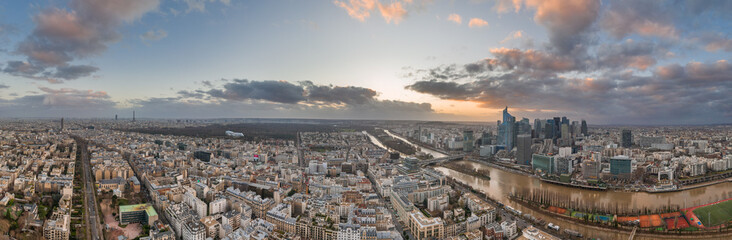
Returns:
(609, 62)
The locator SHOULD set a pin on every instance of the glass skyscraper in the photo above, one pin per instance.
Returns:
(507, 130)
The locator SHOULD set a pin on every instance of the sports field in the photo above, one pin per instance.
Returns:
(715, 214)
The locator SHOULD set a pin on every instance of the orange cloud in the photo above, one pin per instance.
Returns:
(358, 9)
(641, 62)
(455, 18)
(503, 6)
(392, 12)
(650, 28)
(513, 35)
(477, 22)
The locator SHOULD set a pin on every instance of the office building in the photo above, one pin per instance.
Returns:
(564, 165)
(468, 140)
(543, 163)
(523, 127)
(486, 139)
(627, 138)
(538, 132)
(583, 128)
(591, 169)
(507, 130)
(523, 149)
(202, 155)
(139, 213)
(621, 166)
(565, 131)
(549, 129)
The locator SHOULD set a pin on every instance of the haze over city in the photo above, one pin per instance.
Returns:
(611, 62)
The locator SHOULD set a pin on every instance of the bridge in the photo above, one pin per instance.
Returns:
(632, 234)
(441, 160)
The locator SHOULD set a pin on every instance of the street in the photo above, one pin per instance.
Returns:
(92, 221)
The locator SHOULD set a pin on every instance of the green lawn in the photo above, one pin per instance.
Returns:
(716, 214)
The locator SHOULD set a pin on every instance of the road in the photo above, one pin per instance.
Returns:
(395, 217)
(91, 216)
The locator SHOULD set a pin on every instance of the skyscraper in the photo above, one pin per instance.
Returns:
(133, 115)
(583, 128)
(507, 130)
(537, 128)
(627, 138)
(486, 138)
(556, 130)
(468, 140)
(523, 149)
(549, 129)
(524, 127)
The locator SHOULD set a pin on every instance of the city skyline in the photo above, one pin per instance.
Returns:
(609, 62)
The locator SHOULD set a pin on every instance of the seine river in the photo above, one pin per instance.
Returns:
(503, 183)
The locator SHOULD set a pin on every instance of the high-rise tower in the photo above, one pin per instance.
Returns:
(507, 130)
(523, 149)
(627, 138)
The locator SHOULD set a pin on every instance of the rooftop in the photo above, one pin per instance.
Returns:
(148, 208)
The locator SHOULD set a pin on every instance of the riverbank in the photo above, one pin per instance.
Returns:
(434, 152)
(397, 144)
(505, 182)
(421, 144)
(650, 232)
(464, 169)
(506, 167)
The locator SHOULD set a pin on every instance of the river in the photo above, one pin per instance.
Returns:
(503, 183)
(375, 141)
(435, 154)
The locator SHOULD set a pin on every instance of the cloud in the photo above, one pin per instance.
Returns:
(503, 6)
(74, 72)
(640, 17)
(358, 9)
(567, 21)
(198, 5)
(153, 35)
(2, 86)
(513, 35)
(339, 95)
(455, 18)
(713, 41)
(629, 54)
(392, 12)
(234, 98)
(672, 94)
(62, 36)
(180, 108)
(525, 60)
(273, 91)
(477, 22)
(59, 103)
